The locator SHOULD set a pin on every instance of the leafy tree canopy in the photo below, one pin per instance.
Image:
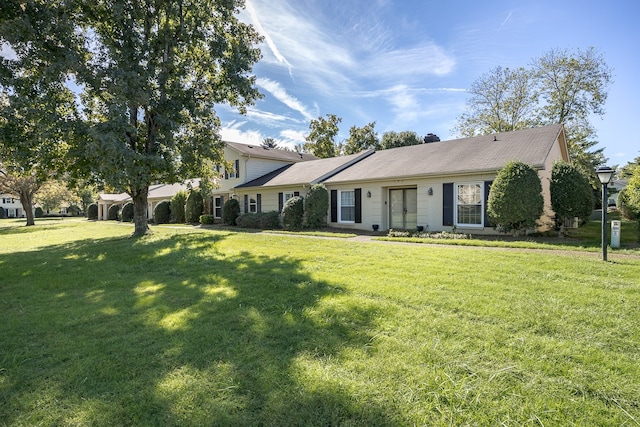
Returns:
(151, 74)
(394, 139)
(361, 138)
(322, 134)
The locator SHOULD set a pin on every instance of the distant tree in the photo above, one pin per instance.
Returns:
(560, 87)
(393, 139)
(627, 170)
(269, 143)
(515, 200)
(571, 193)
(361, 138)
(53, 194)
(629, 198)
(321, 138)
(501, 100)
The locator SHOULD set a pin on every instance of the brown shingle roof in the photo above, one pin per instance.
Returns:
(485, 153)
(270, 153)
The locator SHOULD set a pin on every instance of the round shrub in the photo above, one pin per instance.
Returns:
(92, 211)
(2, 213)
(112, 214)
(194, 207)
(177, 207)
(206, 219)
(231, 211)
(293, 213)
(162, 212)
(39, 213)
(515, 199)
(571, 193)
(262, 220)
(127, 212)
(316, 205)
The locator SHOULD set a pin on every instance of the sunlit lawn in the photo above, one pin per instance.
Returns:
(201, 327)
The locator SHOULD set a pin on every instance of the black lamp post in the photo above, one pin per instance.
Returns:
(605, 173)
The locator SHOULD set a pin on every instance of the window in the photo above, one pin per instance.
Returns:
(347, 206)
(253, 204)
(218, 202)
(286, 196)
(469, 204)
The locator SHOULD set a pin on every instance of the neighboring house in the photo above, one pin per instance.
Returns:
(439, 185)
(615, 187)
(12, 206)
(157, 193)
(249, 162)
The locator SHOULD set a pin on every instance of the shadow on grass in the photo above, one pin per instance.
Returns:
(172, 331)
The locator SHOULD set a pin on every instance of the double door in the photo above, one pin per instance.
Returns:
(403, 208)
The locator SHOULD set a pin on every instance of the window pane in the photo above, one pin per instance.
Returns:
(347, 206)
(469, 206)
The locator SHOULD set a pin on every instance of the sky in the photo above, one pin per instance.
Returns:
(406, 64)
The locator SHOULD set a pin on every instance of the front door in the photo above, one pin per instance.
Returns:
(403, 208)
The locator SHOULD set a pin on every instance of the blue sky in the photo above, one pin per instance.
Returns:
(406, 64)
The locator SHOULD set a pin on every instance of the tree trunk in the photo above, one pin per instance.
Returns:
(139, 197)
(26, 199)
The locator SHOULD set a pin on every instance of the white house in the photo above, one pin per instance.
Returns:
(12, 206)
(437, 185)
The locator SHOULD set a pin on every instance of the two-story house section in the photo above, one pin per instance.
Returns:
(12, 208)
(249, 162)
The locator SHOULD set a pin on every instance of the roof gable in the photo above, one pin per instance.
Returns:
(259, 151)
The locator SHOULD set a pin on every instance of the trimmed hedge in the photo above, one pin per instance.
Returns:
(92, 211)
(127, 212)
(39, 213)
(206, 219)
(231, 212)
(293, 213)
(2, 212)
(263, 220)
(177, 207)
(316, 206)
(162, 212)
(194, 207)
(114, 211)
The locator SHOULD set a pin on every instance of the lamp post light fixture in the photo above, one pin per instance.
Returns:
(605, 173)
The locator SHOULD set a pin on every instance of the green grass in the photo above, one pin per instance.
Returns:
(203, 327)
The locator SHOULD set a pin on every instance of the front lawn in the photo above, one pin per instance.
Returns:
(204, 327)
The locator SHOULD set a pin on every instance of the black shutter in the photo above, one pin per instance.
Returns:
(296, 193)
(280, 203)
(487, 188)
(259, 202)
(237, 168)
(246, 203)
(334, 205)
(358, 194)
(447, 203)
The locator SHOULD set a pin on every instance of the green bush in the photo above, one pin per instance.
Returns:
(92, 211)
(515, 199)
(293, 213)
(206, 219)
(178, 202)
(571, 192)
(127, 212)
(194, 207)
(162, 212)
(39, 213)
(74, 210)
(112, 214)
(230, 212)
(2, 213)
(262, 221)
(316, 205)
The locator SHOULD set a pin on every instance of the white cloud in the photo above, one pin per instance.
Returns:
(7, 52)
(276, 89)
(232, 132)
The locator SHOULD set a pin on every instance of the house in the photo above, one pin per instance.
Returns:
(438, 186)
(11, 206)
(249, 162)
(157, 193)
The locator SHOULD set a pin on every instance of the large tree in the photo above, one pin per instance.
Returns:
(151, 74)
(394, 139)
(322, 135)
(559, 87)
(361, 138)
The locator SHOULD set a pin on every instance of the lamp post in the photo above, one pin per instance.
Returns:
(605, 173)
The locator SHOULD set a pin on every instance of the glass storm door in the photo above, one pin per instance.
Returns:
(404, 208)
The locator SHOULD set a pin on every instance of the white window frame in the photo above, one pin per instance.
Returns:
(353, 207)
(457, 221)
(217, 205)
(286, 196)
(253, 203)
